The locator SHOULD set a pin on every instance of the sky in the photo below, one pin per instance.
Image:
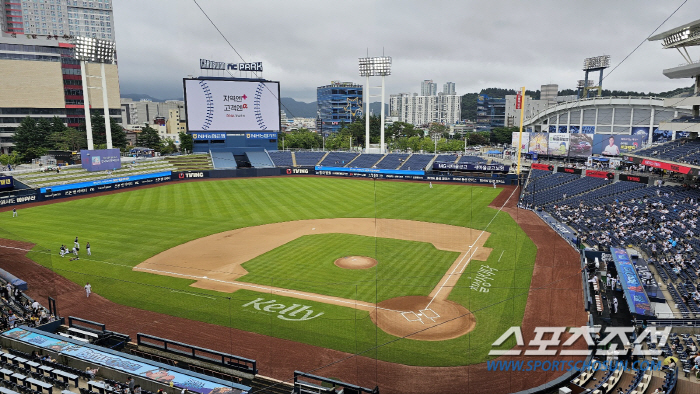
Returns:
(475, 44)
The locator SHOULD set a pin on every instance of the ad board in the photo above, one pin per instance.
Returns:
(580, 145)
(538, 143)
(558, 145)
(525, 141)
(497, 167)
(232, 105)
(6, 182)
(635, 295)
(616, 144)
(101, 159)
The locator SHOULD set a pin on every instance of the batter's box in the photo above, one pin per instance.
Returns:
(409, 315)
(429, 314)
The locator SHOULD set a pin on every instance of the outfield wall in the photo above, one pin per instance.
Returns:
(112, 184)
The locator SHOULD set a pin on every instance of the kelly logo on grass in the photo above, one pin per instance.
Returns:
(284, 312)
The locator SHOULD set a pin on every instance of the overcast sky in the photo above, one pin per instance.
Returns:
(476, 44)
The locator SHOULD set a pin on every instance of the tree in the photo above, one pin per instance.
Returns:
(31, 138)
(149, 138)
(13, 158)
(299, 139)
(69, 139)
(503, 135)
(99, 135)
(168, 146)
(186, 141)
(402, 129)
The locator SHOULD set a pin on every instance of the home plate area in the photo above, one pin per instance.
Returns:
(416, 317)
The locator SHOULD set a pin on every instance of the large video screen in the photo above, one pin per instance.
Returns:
(226, 105)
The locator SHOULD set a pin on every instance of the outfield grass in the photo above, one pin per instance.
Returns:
(126, 228)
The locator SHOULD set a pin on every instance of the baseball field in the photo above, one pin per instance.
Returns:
(396, 271)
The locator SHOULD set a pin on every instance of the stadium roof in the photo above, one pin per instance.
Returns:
(682, 36)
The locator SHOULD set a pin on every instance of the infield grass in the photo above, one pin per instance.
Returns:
(126, 228)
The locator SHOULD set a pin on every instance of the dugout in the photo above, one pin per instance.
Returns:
(306, 383)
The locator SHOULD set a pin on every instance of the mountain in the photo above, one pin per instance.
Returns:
(140, 96)
(298, 109)
(301, 109)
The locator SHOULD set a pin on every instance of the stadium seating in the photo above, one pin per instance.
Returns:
(392, 161)
(446, 159)
(281, 158)
(223, 160)
(417, 162)
(366, 160)
(259, 160)
(338, 159)
(308, 158)
(685, 151)
(471, 160)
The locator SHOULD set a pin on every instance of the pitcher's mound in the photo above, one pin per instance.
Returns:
(356, 262)
(440, 321)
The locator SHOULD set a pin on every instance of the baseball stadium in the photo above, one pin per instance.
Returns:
(242, 268)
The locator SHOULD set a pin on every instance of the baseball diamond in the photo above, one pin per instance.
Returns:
(259, 256)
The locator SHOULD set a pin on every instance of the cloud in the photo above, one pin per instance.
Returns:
(476, 44)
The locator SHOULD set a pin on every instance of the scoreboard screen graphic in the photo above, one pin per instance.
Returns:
(232, 105)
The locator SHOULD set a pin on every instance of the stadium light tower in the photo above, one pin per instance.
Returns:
(88, 49)
(598, 63)
(371, 67)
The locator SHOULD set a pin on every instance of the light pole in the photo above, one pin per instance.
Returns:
(94, 50)
(371, 67)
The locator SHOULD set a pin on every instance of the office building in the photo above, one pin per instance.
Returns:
(41, 79)
(338, 103)
(490, 112)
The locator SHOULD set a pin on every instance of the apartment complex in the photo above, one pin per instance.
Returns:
(423, 110)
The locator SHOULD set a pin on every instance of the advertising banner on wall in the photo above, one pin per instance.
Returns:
(615, 144)
(660, 136)
(101, 159)
(642, 132)
(6, 182)
(543, 167)
(580, 145)
(497, 167)
(558, 145)
(526, 141)
(538, 143)
(634, 178)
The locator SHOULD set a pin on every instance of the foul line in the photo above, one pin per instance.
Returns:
(470, 248)
(366, 306)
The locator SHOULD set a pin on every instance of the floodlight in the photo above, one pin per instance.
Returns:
(94, 50)
(375, 66)
(596, 63)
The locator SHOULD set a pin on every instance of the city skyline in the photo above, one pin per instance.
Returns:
(528, 46)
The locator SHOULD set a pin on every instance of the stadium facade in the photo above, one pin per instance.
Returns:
(605, 115)
(338, 103)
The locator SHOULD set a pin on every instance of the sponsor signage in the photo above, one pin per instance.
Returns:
(635, 294)
(299, 171)
(519, 100)
(205, 64)
(600, 174)
(101, 159)
(16, 200)
(634, 178)
(209, 136)
(369, 170)
(134, 367)
(190, 175)
(346, 172)
(471, 167)
(616, 144)
(568, 170)
(101, 185)
(666, 166)
(261, 136)
(544, 167)
(6, 182)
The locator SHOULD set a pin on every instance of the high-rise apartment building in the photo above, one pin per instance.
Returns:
(423, 110)
(428, 88)
(92, 18)
(448, 88)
